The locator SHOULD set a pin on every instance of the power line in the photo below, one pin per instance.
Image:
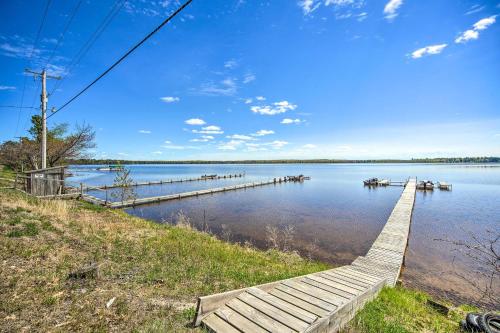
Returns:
(30, 58)
(115, 9)
(63, 33)
(17, 107)
(124, 56)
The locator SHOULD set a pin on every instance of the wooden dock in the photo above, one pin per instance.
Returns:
(319, 302)
(168, 181)
(177, 196)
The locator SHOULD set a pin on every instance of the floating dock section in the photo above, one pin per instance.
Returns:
(319, 302)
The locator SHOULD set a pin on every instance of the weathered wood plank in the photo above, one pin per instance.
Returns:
(316, 292)
(215, 324)
(299, 303)
(257, 317)
(238, 321)
(327, 306)
(284, 306)
(273, 312)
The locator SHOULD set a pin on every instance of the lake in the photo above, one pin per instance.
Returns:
(333, 217)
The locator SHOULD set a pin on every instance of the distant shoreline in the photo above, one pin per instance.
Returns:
(454, 160)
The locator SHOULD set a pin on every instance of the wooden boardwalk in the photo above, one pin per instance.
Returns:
(177, 196)
(319, 302)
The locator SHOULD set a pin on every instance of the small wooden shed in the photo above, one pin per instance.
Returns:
(48, 181)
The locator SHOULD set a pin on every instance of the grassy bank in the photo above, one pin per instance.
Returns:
(153, 272)
(399, 310)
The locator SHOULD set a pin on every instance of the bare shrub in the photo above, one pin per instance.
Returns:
(312, 248)
(183, 221)
(485, 253)
(273, 237)
(280, 239)
(287, 235)
(226, 232)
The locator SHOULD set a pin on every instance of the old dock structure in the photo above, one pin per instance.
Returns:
(177, 196)
(319, 302)
(169, 181)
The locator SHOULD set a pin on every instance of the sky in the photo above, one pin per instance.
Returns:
(248, 79)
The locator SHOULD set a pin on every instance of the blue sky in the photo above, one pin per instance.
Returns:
(234, 79)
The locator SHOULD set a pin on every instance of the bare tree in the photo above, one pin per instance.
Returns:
(124, 190)
(485, 253)
(60, 146)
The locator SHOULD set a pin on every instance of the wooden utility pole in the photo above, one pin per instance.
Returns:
(43, 107)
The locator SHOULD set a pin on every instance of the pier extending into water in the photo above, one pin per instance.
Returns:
(318, 302)
(177, 196)
(168, 181)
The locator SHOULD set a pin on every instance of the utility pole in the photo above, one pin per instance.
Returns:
(43, 107)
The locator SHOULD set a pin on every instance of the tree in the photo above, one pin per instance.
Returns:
(60, 146)
(123, 181)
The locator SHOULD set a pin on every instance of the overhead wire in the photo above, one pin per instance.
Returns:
(181, 8)
(63, 33)
(115, 9)
(30, 58)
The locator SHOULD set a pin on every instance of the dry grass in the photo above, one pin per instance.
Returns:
(154, 272)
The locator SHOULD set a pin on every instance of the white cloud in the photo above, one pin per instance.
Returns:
(362, 16)
(168, 142)
(309, 146)
(230, 64)
(195, 121)
(391, 9)
(466, 36)
(209, 130)
(144, 131)
(485, 23)
(226, 87)
(263, 133)
(203, 138)
(240, 137)
(277, 144)
(248, 101)
(308, 6)
(473, 33)
(176, 147)
(231, 145)
(339, 2)
(7, 88)
(474, 9)
(431, 49)
(157, 152)
(249, 78)
(287, 121)
(260, 98)
(122, 154)
(170, 99)
(275, 108)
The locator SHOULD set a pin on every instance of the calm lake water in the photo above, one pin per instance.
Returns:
(334, 217)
